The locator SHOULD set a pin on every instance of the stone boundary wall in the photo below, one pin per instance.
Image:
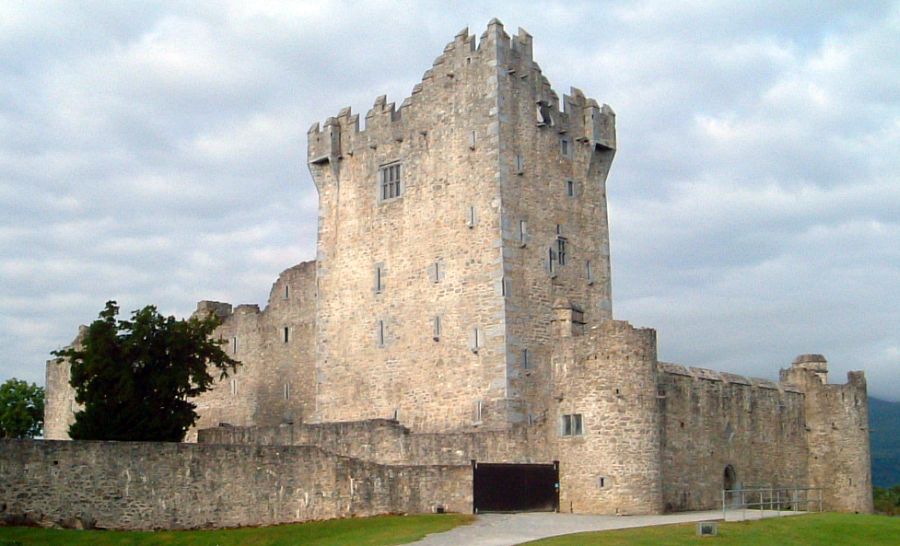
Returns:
(711, 420)
(137, 485)
(387, 442)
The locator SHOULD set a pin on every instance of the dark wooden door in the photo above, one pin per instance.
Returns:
(504, 487)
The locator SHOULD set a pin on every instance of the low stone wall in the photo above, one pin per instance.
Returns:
(137, 485)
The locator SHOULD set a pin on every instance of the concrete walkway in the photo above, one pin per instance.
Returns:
(510, 529)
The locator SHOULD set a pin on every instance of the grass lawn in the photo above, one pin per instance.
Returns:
(375, 531)
(815, 529)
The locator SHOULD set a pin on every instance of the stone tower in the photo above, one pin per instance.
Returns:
(448, 229)
(837, 433)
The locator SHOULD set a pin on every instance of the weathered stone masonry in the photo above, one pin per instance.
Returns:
(460, 308)
(134, 485)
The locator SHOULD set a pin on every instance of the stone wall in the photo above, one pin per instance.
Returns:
(130, 485)
(711, 420)
(388, 442)
(275, 382)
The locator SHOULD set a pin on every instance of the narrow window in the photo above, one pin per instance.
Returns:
(286, 334)
(559, 229)
(565, 425)
(570, 188)
(524, 359)
(234, 387)
(287, 391)
(589, 273)
(551, 262)
(479, 406)
(470, 216)
(472, 136)
(601, 482)
(561, 250)
(564, 147)
(523, 232)
(577, 427)
(379, 278)
(437, 328)
(287, 292)
(520, 164)
(504, 289)
(390, 181)
(379, 333)
(475, 340)
(434, 272)
(234, 345)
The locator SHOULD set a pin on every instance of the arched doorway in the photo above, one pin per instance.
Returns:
(730, 484)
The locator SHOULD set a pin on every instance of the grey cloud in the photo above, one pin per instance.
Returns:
(154, 153)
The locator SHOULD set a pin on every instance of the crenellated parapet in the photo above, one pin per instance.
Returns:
(582, 118)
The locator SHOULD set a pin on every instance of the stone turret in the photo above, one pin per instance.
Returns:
(607, 379)
(837, 425)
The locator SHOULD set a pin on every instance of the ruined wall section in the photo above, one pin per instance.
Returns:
(59, 396)
(275, 382)
(712, 420)
(435, 249)
(138, 485)
(608, 377)
(554, 162)
(837, 433)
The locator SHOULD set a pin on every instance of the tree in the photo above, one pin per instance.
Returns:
(21, 409)
(134, 377)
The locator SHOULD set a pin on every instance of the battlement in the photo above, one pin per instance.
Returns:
(461, 64)
(724, 377)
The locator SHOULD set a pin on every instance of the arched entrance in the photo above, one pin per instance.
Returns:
(730, 484)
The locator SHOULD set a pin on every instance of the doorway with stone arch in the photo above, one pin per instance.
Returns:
(730, 484)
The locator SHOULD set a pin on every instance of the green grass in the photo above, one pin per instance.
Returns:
(376, 531)
(814, 529)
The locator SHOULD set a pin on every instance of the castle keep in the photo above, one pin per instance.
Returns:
(459, 309)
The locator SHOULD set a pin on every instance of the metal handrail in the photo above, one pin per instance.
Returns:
(774, 499)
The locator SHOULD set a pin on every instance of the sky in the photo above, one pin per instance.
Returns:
(154, 153)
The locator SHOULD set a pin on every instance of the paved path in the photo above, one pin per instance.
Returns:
(509, 529)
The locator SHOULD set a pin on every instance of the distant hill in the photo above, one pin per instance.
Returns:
(884, 435)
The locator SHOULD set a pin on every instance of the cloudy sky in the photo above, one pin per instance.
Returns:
(154, 153)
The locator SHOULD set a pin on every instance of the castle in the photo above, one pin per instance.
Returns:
(459, 309)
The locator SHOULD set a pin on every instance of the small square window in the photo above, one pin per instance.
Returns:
(571, 425)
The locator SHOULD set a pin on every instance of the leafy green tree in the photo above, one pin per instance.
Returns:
(134, 377)
(21, 409)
